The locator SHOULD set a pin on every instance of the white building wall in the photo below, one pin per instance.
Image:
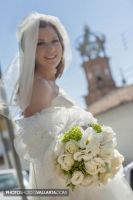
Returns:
(121, 120)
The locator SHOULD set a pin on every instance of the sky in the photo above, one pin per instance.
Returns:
(113, 18)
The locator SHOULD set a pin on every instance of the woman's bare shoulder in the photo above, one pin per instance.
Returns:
(42, 87)
(41, 97)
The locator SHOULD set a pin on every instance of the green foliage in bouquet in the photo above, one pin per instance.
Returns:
(72, 134)
(70, 185)
(78, 166)
(97, 127)
(108, 167)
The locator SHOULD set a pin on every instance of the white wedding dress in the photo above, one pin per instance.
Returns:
(35, 141)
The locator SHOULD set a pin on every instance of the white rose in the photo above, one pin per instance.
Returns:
(105, 141)
(107, 134)
(90, 181)
(105, 137)
(116, 162)
(104, 177)
(106, 153)
(107, 150)
(95, 150)
(66, 161)
(94, 166)
(71, 146)
(91, 167)
(108, 130)
(109, 144)
(77, 178)
(83, 155)
(100, 164)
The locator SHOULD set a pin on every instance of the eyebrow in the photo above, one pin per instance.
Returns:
(40, 39)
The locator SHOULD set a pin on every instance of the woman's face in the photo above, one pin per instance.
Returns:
(48, 53)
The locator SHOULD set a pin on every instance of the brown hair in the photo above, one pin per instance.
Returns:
(60, 67)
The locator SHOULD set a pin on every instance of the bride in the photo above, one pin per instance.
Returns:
(44, 53)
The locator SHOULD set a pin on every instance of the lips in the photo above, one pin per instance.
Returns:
(50, 57)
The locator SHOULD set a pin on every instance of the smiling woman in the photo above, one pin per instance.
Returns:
(48, 66)
(50, 113)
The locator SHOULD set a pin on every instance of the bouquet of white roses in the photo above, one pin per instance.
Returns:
(87, 157)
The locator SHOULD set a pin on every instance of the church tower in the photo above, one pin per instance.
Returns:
(96, 66)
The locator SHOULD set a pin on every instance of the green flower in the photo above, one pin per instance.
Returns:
(73, 134)
(97, 127)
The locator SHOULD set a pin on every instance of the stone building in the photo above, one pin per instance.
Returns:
(99, 79)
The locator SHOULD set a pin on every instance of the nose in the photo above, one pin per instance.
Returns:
(50, 48)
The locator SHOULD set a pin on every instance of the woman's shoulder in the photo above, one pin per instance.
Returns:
(41, 87)
(42, 95)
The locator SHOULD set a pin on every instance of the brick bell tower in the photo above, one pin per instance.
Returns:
(95, 65)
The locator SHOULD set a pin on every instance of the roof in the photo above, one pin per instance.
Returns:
(114, 98)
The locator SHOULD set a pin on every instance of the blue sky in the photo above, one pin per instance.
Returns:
(114, 18)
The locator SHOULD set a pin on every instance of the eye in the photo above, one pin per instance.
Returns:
(55, 41)
(40, 43)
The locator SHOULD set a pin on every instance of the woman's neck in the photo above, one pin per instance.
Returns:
(52, 83)
(43, 77)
